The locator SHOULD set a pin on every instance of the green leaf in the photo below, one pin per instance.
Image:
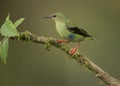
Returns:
(8, 29)
(18, 22)
(4, 44)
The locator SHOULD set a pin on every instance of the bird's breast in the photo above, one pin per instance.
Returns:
(62, 29)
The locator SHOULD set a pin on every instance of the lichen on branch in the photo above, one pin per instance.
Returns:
(79, 57)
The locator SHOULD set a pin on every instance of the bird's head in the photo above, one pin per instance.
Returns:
(57, 17)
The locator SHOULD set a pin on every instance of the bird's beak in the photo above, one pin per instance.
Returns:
(47, 17)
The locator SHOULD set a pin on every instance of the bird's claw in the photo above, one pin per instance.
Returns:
(72, 51)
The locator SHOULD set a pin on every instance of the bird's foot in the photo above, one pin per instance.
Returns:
(63, 41)
(73, 50)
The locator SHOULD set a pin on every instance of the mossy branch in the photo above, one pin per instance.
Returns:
(9, 31)
(79, 57)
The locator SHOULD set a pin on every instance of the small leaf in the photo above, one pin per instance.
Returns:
(8, 29)
(18, 22)
(47, 46)
(8, 17)
(4, 44)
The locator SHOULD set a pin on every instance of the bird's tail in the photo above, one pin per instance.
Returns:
(98, 41)
(92, 38)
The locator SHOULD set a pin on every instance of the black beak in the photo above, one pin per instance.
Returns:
(47, 17)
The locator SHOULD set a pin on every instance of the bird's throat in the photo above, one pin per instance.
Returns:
(61, 29)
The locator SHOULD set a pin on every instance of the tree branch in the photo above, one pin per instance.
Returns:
(79, 57)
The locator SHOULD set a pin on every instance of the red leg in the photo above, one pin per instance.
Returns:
(61, 41)
(73, 50)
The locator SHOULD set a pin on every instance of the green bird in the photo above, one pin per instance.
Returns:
(69, 31)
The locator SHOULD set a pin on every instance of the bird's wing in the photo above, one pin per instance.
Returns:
(78, 30)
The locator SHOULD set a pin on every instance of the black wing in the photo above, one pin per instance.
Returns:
(79, 31)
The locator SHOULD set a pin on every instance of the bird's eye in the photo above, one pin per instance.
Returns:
(54, 15)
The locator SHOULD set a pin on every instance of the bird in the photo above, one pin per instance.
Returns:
(69, 31)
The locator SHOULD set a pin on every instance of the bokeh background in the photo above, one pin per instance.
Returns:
(29, 64)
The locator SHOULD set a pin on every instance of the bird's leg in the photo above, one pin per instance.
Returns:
(73, 50)
(63, 41)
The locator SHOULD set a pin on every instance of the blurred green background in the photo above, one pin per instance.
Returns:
(29, 64)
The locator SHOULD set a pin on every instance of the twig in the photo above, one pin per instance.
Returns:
(79, 57)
